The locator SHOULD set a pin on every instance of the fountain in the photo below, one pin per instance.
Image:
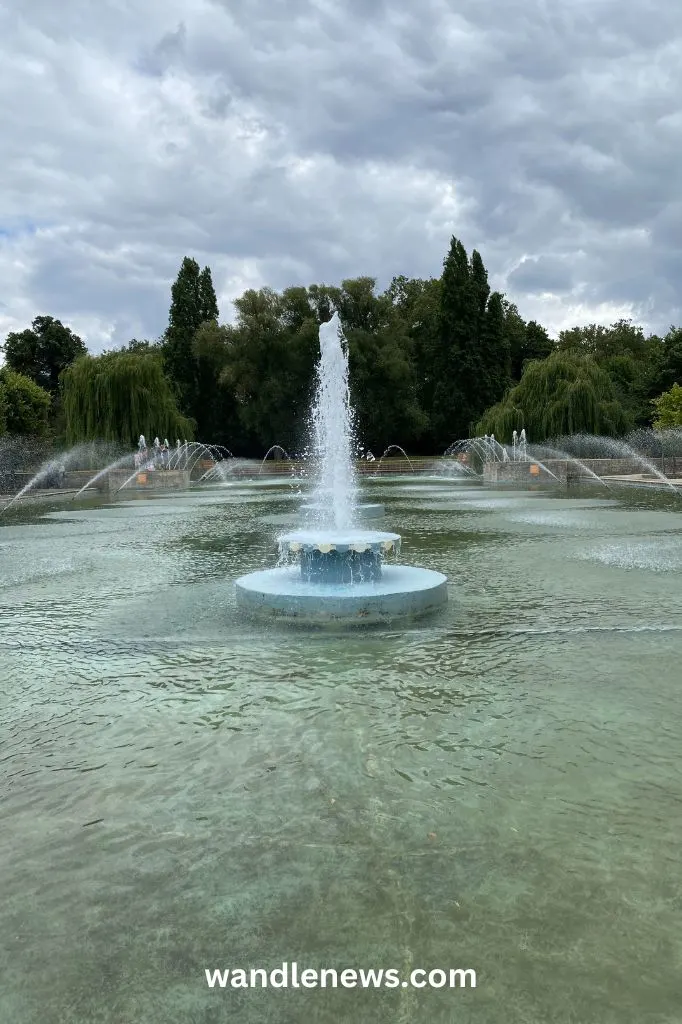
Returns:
(336, 573)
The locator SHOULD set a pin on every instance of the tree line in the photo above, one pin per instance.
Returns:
(431, 360)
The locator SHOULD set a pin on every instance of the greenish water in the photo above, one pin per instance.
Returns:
(499, 788)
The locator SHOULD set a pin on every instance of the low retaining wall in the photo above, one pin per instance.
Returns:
(147, 480)
(291, 467)
(568, 471)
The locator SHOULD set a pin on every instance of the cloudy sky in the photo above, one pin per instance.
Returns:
(300, 141)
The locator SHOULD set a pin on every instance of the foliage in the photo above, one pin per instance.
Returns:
(193, 302)
(24, 406)
(42, 351)
(668, 407)
(119, 395)
(668, 369)
(383, 373)
(269, 359)
(430, 360)
(566, 393)
(632, 360)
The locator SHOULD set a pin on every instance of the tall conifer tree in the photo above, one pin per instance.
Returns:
(457, 363)
(184, 320)
(495, 353)
(208, 303)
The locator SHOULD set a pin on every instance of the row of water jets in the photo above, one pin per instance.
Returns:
(488, 449)
(463, 458)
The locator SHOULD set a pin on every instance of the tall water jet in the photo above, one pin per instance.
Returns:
(332, 422)
(336, 574)
(335, 493)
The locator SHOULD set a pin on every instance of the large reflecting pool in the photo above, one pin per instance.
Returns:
(498, 788)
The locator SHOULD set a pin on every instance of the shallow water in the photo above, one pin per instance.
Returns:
(499, 788)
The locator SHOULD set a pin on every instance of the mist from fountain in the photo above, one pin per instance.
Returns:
(620, 449)
(57, 464)
(454, 468)
(224, 469)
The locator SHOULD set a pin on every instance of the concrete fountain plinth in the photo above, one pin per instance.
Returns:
(340, 577)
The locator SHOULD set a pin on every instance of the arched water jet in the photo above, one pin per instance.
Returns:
(621, 449)
(274, 448)
(102, 472)
(394, 447)
(48, 469)
(559, 454)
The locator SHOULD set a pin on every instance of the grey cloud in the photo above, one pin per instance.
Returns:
(545, 274)
(312, 141)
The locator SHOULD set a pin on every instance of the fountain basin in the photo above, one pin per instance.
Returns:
(402, 592)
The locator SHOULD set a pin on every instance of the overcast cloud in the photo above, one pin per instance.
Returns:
(292, 141)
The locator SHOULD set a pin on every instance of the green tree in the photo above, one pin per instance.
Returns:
(208, 303)
(24, 406)
(119, 395)
(271, 352)
(217, 422)
(457, 363)
(184, 320)
(632, 359)
(566, 393)
(668, 409)
(622, 338)
(495, 352)
(526, 340)
(538, 344)
(669, 369)
(417, 303)
(42, 351)
(384, 382)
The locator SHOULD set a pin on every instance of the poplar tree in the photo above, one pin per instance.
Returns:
(184, 320)
(495, 353)
(457, 364)
(208, 303)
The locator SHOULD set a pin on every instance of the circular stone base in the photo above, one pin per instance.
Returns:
(367, 511)
(402, 592)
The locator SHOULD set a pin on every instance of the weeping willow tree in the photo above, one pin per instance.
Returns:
(118, 396)
(566, 393)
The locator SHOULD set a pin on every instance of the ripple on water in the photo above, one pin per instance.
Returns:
(660, 554)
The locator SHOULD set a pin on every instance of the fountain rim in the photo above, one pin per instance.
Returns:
(326, 541)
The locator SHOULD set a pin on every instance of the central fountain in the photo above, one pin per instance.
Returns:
(336, 573)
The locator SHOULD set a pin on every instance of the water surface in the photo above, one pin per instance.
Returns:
(497, 788)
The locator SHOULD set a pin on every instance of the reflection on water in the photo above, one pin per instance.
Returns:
(497, 789)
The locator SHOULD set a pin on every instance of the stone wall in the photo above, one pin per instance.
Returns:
(568, 471)
(148, 480)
